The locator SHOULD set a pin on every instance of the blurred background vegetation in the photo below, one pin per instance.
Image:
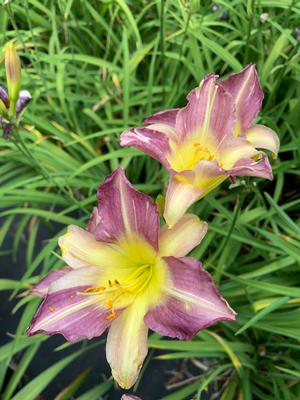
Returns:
(94, 68)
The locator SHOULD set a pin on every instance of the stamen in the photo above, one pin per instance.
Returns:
(94, 289)
(109, 304)
(111, 316)
(71, 297)
(51, 309)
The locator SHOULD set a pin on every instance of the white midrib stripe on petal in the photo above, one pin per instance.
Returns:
(211, 96)
(191, 298)
(64, 313)
(123, 207)
(244, 85)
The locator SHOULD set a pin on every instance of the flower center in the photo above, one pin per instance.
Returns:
(144, 281)
(185, 156)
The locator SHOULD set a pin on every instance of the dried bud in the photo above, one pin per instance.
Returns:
(13, 75)
(7, 128)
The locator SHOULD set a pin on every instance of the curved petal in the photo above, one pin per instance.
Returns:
(209, 114)
(193, 302)
(80, 248)
(125, 212)
(262, 137)
(166, 117)
(70, 314)
(233, 150)
(126, 346)
(41, 288)
(179, 197)
(152, 142)
(94, 220)
(186, 234)
(247, 93)
(86, 276)
(248, 167)
(129, 397)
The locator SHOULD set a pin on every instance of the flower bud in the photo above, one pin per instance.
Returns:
(13, 75)
(3, 109)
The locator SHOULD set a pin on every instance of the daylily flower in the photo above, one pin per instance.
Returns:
(209, 140)
(127, 273)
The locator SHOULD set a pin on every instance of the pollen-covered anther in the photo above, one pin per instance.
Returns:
(51, 309)
(94, 289)
(257, 157)
(111, 316)
(109, 304)
(203, 152)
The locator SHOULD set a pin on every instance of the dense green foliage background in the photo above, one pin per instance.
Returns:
(96, 67)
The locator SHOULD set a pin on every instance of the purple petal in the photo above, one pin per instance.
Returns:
(130, 397)
(209, 114)
(23, 100)
(72, 315)
(4, 95)
(41, 288)
(193, 303)
(248, 167)
(152, 142)
(94, 220)
(167, 117)
(248, 95)
(125, 212)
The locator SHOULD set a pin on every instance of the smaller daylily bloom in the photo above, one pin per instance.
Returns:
(208, 140)
(127, 274)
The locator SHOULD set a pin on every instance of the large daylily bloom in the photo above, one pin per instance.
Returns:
(208, 140)
(127, 273)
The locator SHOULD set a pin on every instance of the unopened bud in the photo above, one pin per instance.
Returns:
(3, 109)
(13, 75)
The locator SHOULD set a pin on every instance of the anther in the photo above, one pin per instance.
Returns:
(109, 304)
(111, 316)
(71, 297)
(90, 289)
(52, 309)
